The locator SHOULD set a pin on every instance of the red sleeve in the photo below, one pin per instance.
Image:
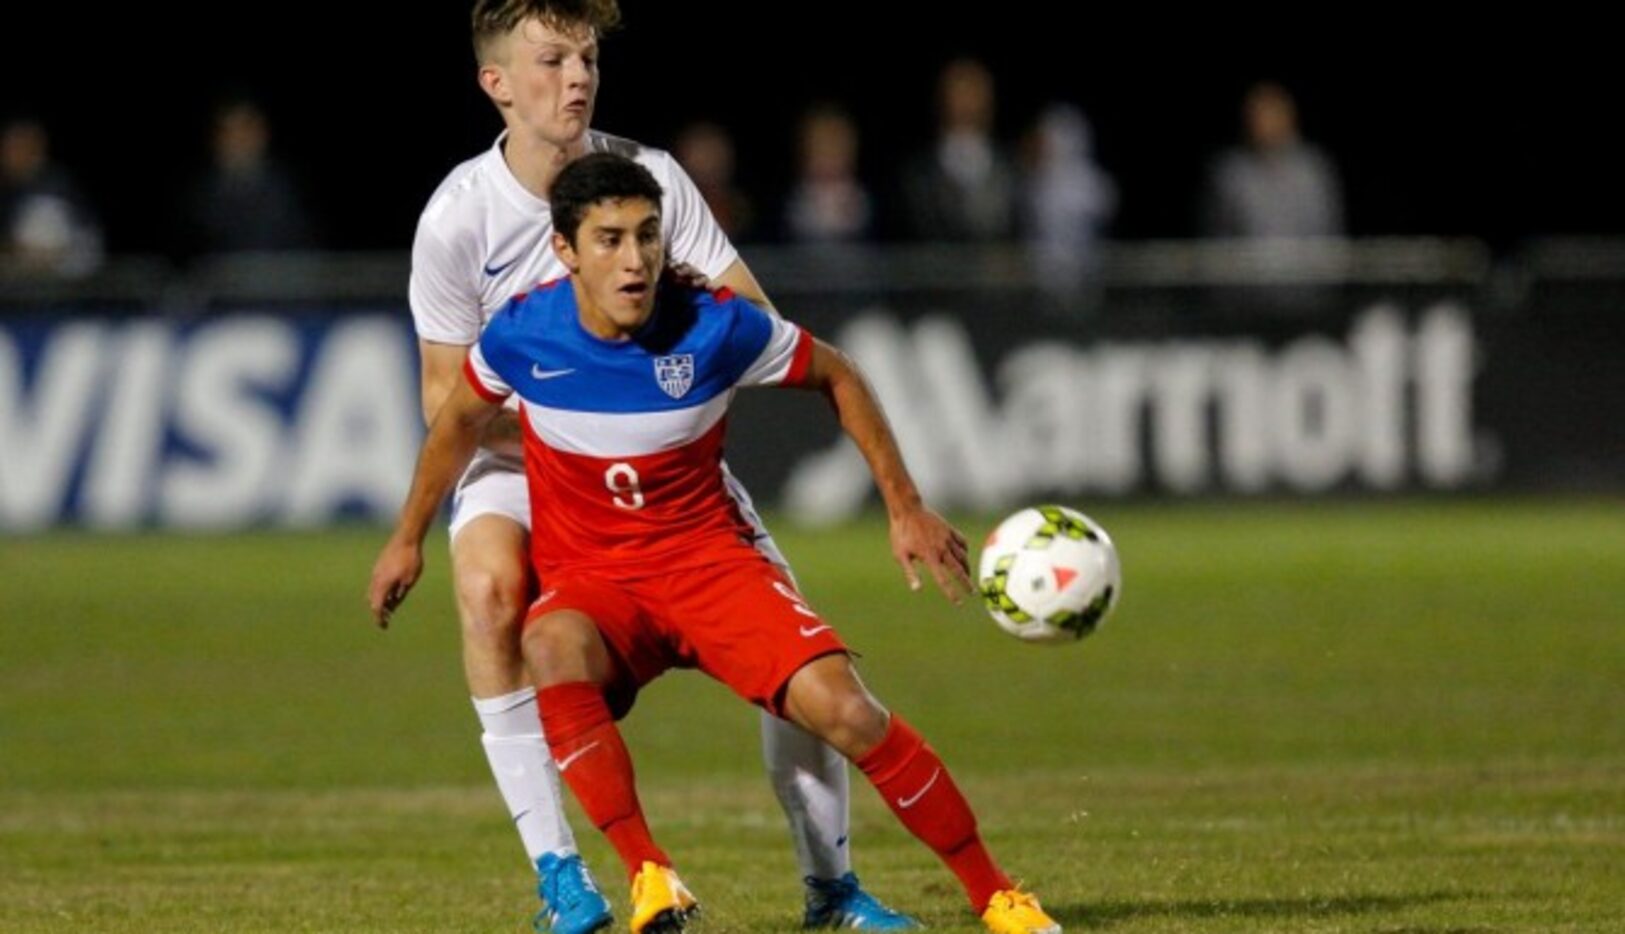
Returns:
(801, 362)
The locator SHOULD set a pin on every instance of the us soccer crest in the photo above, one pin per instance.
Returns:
(675, 374)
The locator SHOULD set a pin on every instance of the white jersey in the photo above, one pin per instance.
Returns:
(484, 238)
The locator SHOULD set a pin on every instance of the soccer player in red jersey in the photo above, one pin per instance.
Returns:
(624, 383)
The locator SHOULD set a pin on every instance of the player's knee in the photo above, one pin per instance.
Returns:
(492, 603)
(561, 647)
(851, 721)
(546, 638)
(862, 716)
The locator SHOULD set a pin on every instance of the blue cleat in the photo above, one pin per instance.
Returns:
(571, 902)
(842, 903)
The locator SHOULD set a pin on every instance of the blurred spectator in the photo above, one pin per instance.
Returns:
(1067, 201)
(1276, 185)
(828, 203)
(46, 224)
(246, 201)
(706, 152)
(965, 187)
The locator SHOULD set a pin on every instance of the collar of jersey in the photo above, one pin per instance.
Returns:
(622, 345)
(510, 185)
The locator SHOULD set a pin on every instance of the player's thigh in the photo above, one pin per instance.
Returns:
(492, 578)
(745, 625)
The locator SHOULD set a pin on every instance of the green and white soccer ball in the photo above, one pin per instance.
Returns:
(1049, 575)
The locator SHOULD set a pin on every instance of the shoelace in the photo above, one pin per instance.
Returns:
(833, 891)
(569, 887)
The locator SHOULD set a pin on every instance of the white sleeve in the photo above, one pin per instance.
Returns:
(445, 301)
(692, 231)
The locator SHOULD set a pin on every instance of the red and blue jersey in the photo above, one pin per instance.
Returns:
(623, 439)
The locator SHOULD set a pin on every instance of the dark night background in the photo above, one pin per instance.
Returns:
(1493, 130)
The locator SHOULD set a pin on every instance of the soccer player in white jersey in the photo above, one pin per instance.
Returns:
(484, 236)
(625, 383)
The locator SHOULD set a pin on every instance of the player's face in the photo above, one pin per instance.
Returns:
(616, 262)
(547, 82)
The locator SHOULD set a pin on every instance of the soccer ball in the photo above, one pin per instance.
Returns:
(1049, 574)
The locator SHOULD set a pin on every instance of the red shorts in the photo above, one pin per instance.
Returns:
(739, 621)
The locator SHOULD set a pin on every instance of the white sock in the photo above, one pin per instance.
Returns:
(525, 773)
(814, 789)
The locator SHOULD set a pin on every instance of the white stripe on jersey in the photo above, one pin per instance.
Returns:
(624, 434)
(490, 380)
(772, 365)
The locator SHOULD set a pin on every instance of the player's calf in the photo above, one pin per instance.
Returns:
(828, 700)
(593, 760)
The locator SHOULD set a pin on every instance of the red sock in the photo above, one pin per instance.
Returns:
(919, 790)
(593, 761)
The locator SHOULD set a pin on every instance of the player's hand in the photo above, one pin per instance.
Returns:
(398, 567)
(921, 535)
(688, 277)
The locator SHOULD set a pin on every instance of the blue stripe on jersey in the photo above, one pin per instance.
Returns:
(537, 345)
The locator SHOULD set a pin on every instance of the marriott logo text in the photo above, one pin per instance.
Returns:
(1387, 405)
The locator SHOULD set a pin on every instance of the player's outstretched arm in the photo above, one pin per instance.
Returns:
(453, 437)
(917, 532)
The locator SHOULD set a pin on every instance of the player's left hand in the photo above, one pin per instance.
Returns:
(399, 567)
(919, 534)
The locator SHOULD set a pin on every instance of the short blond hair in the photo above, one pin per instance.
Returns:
(494, 19)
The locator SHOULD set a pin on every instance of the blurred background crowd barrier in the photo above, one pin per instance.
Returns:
(281, 388)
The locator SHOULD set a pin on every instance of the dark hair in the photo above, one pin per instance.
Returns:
(602, 176)
(494, 19)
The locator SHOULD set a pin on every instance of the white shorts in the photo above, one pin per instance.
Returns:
(495, 485)
(492, 486)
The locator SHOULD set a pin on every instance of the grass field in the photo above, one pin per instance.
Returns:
(1357, 717)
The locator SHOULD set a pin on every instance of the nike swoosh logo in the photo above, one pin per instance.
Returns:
(906, 803)
(494, 270)
(809, 631)
(537, 372)
(570, 759)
